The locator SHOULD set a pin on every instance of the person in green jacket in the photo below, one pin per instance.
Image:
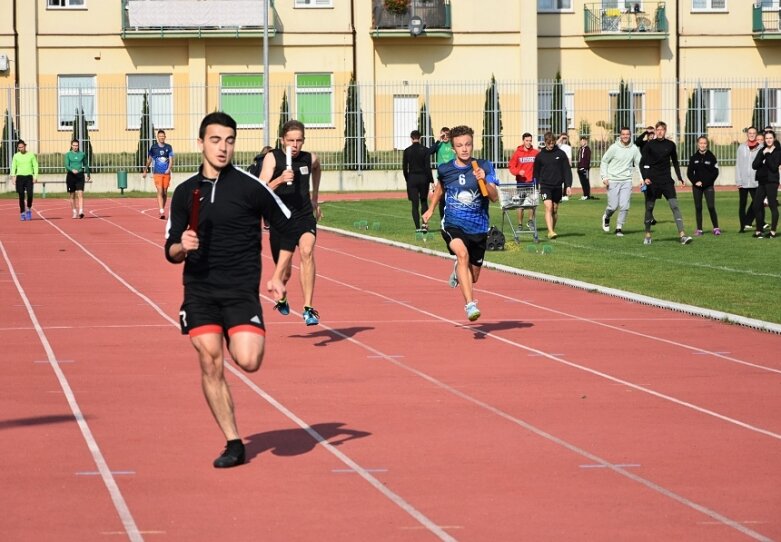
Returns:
(24, 171)
(443, 152)
(77, 168)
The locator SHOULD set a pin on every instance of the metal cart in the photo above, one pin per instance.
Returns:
(520, 196)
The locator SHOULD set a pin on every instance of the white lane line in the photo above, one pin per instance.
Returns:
(374, 482)
(566, 315)
(131, 529)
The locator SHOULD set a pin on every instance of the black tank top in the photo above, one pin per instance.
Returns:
(296, 195)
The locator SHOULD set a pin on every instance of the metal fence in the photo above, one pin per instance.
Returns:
(368, 126)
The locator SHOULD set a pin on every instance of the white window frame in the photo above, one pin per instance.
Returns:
(709, 8)
(65, 4)
(545, 9)
(134, 122)
(569, 107)
(93, 92)
(775, 112)
(709, 92)
(639, 116)
(248, 90)
(306, 90)
(775, 5)
(313, 4)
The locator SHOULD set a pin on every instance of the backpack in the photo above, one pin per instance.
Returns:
(254, 167)
(495, 240)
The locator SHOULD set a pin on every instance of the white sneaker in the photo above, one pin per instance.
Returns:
(564, 198)
(583, 198)
(472, 312)
(605, 223)
(75, 214)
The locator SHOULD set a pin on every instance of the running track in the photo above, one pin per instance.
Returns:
(560, 415)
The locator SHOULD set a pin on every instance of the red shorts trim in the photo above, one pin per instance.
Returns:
(251, 329)
(203, 330)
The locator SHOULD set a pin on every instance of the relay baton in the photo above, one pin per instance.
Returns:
(480, 182)
(195, 210)
(289, 160)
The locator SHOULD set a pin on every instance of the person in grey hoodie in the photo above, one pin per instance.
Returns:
(746, 177)
(616, 173)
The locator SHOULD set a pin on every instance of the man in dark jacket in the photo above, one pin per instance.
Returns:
(416, 166)
(552, 171)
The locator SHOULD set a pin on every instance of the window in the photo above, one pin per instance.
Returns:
(709, 5)
(241, 96)
(636, 110)
(160, 98)
(770, 5)
(545, 121)
(313, 4)
(314, 99)
(773, 100)
(554, 5)
(66, 4)
(626, 6)
(74, 93)
(717, 106)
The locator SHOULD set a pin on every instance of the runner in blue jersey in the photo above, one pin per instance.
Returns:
(465, 222)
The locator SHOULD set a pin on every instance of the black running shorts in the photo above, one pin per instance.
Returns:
(214, 310)
(74, 182)
(288, 238)
(552, 193)
(474, 242)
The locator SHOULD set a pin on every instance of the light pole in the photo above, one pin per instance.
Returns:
(266, 135)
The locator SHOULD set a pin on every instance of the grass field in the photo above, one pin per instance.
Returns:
(732, 273)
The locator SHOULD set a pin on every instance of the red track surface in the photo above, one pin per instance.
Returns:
(560, 415)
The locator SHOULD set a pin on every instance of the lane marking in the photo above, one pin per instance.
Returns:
(131, 529)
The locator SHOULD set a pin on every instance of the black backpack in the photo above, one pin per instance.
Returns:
(254, 167)
(495, 239)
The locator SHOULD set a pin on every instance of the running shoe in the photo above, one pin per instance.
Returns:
(716, 231)
(472, 312)
(605, 223)
(282, 306)
(23, 217)
(530, 225)
(311, 316)
(685, 240)
(584, 198)
(647, 240)
(29, 214)
(75, 214)
(453, 280)
(564, 198)
(653, 222)
(770, 235)
(619, 233)
(81, 214)
(424, 228)
(698, 233)
(232, 456)
(552, 235)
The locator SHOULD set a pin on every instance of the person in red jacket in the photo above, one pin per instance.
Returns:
(522, 166)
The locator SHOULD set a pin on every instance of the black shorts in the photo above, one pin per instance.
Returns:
(214, 310)
(24, 183)
(474, 242)
(657, 190)
(288, 238)
(552, 193)
(74, 182)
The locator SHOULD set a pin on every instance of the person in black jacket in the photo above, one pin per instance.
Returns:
(657, 155)
(416, 166)
(552, 171)
(702, 172)
(221, 276)
(767, 163)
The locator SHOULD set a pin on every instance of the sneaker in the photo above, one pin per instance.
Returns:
(653, 222)
(770, 235)
(424, 228)
(162, 216)
(564, 198)
(647, 241)
(698, 233)
(685, 240)
(584, 198)
(747, 227)
(29, 214)
(766, 226)
(552, 235)
(757, 235)
(232, 456)
(311, 316)
(619, 233)
(81, 214)
(605, 223)
(472, 312)
(282, 306)
(453, 280)
(23, 217)
(530, 225)
(716, 231)
(75, 214)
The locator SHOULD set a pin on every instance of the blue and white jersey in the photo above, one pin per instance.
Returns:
(465, 207)
(161, 156)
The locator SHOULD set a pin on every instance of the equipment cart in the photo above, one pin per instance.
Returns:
(519, 196)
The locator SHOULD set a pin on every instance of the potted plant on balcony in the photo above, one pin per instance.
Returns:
(397, 7)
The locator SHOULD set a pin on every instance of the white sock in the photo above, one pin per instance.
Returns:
(162, 211)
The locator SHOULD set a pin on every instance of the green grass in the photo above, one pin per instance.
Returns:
(733, 273)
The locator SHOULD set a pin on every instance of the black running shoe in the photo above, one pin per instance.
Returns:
(653, 222)
(232, 456)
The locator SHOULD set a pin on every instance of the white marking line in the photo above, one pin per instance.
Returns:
(600, 466)
(618, 469)
(115, 472)
(379, 486)
(710, 353)
(351, 471)
(566, 315)
(389, 356)
(55, 361)
(562, 361)
(110, 533)
(131, 529)
(103, 326)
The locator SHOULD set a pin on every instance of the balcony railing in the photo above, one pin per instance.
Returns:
(434, 14)
(195, 18)
(636, 21)
(766, 24)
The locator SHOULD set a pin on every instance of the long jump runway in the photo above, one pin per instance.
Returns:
(559, 415)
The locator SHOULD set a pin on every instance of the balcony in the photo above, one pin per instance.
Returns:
(434, 14)
(195, 19)
(641, 21)
(766, 23)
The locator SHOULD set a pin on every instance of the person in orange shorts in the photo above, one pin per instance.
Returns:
(161, 158)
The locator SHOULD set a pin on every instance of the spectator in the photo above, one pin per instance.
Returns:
(746, 178)
(77, 168)
(521, 165)
(702, 172)
(552, 171)
(161, 154)
(416, 166)
(443, 153)
(616, 173)
(767, 163)
(563, 144)
(584, 168)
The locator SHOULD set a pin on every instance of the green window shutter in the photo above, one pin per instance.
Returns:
(241, 96)
(314, 97)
